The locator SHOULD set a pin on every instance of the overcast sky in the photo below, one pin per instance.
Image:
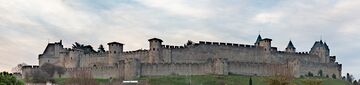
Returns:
(26, 26)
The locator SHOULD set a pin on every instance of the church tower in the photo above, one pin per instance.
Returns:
(322, 50)
(290, 48)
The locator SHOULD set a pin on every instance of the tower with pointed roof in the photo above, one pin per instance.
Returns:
(264, 43)
(290, 48)
(322, 50)
(257, 42)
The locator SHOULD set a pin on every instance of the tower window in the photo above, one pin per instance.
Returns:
(48, 60)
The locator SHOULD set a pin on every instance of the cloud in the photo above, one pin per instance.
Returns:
(27, 26)
(268, 17)
(194, 9)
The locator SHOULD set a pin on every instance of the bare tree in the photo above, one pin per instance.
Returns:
(17, 69)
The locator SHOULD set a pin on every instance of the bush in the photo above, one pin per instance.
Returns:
(9, 79)
(311, 82)
(320, 73)
(333, 76)
(279, 80)
(310, 74)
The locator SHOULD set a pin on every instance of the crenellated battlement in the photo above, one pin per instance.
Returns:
(30, 67)
(226, 44)
(300, 53)
(92, 68)
(105, 54)
(135, 52)
(173, 47)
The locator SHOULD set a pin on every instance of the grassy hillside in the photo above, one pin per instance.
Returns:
(228, 80)
(218, 80)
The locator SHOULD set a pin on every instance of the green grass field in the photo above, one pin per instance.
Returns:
(62, 80)
(228, 80)
(218, 80)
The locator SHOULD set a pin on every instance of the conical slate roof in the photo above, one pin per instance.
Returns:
(326, 46)
(258, 39)
(290, 45)
(320, 44)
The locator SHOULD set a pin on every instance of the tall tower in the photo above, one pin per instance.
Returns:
(290, 48)
(266, 44)
(155, 50)
(52, 54)
(322, 50)
(115, 49)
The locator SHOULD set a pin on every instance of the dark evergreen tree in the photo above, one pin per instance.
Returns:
(355, 83)
(310, 74)
(250, 81)
(101, 49)
(86, 48)
(333, 76)
(349, 77)
(320, 73)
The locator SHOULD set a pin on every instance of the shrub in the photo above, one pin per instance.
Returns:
(310, 74)
(320, 73)
(9, 79)
(333, 76)
(311, 82)
(279, 80)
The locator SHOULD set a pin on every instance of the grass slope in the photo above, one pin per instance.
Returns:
(216, 80)
(226, 80)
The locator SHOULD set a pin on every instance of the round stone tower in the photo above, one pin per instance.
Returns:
(155, 50)
(115, 49)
